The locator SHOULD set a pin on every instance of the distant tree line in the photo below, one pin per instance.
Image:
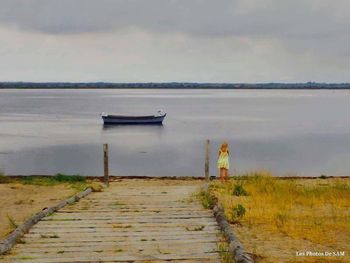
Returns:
(170, 85)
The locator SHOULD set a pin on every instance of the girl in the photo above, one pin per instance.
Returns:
(223, 162)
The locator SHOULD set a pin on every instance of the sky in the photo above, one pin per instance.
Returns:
(175, 40)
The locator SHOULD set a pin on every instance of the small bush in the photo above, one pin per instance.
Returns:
(4, 179)
(322, 176)
(237, 213)
(280, 220)
(207, 200)
(69, 178)
(239, 190)
(96, 187)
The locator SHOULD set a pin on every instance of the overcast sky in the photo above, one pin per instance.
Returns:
(175, 40)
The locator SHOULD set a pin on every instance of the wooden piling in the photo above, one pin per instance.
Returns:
(207, 154)
(105, 164)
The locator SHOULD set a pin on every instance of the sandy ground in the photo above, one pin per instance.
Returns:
(19, 201)
(277, 247)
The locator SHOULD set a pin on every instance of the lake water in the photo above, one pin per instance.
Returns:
(288, 132)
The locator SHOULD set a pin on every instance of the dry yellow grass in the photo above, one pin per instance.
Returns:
(19, 201)
(285, 216)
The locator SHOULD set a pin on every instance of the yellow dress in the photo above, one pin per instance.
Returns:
(223, 161)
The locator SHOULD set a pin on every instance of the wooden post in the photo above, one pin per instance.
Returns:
(105, 164)
(207, 154)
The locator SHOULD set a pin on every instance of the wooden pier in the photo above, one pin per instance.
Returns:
(131, 221)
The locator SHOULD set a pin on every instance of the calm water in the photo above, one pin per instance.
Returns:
(287, 132)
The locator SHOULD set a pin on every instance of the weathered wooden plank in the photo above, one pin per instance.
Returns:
(137, 220)
(65, 235)
(118, 215)
(102, 242)
(122, 229)
(117, 238)
(130, 205)
(111, 246)
(134, 219)
(62, 258)
(137, 212)
(98, 224)
(116, 250)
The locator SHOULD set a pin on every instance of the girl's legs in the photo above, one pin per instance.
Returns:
(221, 174)
(226, 174)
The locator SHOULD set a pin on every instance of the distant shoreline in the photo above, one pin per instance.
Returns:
(198, 177)
(175, 85)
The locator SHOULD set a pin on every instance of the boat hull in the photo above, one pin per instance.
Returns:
(129, 120)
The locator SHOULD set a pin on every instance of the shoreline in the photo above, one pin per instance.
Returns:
(174, 85)
(200, 177)
(172, 88)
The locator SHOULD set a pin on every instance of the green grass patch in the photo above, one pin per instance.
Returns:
(237, 213)
(4, 179)
(239, 190)
(208, 201)
(224, 253)
(77, 182)
(52, 180)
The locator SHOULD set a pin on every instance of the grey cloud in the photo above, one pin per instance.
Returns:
(287, 18)
(167, 40)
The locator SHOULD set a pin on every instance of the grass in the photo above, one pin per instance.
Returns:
(4, 179)
(224, 253)
(316, 210)
(12, 222)
(196, 228)
(77, 182)
(207, 199)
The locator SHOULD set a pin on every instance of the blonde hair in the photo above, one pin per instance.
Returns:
(224, 147)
